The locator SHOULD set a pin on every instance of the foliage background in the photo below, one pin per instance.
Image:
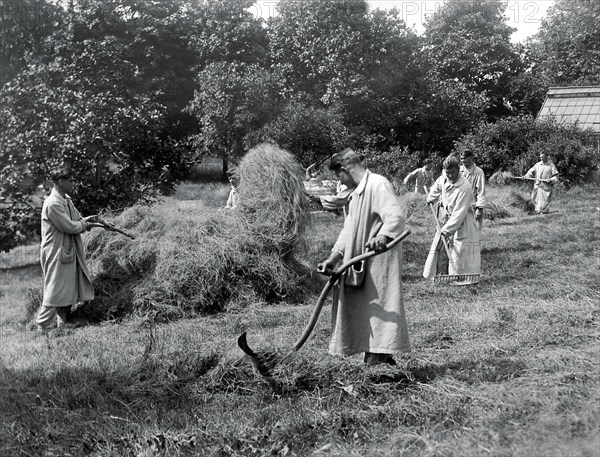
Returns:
(133, 95)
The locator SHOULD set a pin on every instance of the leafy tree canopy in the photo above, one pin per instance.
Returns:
(470, 42)
(566, 50)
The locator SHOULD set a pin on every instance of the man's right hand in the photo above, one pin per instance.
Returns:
(91, 225)
(326, 268)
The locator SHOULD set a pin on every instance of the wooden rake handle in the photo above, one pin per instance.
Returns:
(333, 279)
(111, 228)
(439, 230)
(522, 178)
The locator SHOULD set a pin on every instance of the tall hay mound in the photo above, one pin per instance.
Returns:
(272, 197)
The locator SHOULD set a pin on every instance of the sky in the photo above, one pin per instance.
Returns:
(524, 15)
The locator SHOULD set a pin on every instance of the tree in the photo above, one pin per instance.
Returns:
(24, 27)
(82, 109)
(225, 31)
(232, 101)
(470, 42)
(310, 133)
(566, 49)
(317, 46)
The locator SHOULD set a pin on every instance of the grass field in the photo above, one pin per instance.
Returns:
(507, 368)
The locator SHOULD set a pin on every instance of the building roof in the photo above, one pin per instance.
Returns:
(572, 105)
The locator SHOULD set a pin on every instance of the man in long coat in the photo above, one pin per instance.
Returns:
(547, 176)
(67, 280)
(459, 226)
(476, 178)
(368, 311)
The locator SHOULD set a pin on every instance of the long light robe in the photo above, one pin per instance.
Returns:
(65, 284)
(371, 318)
(339, 201)
(542, 191)
(476, 179)
(232, 200)
(423, 179)
(465, 250)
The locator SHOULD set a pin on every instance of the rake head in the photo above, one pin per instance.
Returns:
(457, 280)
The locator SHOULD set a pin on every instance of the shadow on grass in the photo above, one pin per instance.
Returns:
(519, 247)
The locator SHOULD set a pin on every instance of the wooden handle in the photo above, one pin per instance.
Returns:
(112, 228)
(439, 230)
(333, 279)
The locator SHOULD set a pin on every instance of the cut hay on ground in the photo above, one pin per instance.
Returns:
(522, 201)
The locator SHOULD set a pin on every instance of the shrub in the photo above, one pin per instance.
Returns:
(514, 144)
(576, 163)
(396, 163)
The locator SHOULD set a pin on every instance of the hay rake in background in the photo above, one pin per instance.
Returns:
(258, 362)
(456, 279)
(522, 178)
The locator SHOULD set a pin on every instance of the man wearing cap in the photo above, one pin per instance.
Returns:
(67, 280)
(476, 178)
(368, 311)
(422, 177)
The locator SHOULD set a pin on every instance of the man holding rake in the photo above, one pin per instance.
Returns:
(459, 232)
(368, 310)
(546, 176)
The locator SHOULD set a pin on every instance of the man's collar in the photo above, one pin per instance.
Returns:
(56, 193)
(470, 169)
(456, 183)
(363, 182)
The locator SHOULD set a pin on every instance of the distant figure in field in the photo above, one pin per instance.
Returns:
(368, 310)
(312, 173)
(476, 178)
(232, 200)
(422, 178)
(547, 176)
(67, 280)
(459, 228)
(337, 203)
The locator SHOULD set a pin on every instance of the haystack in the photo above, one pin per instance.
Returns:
(184, 262)
(272, 196)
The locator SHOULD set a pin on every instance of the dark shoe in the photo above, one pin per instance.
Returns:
(390, 361)
(378, 359)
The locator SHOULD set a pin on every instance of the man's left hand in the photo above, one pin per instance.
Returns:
(478, 214)
(378, 243)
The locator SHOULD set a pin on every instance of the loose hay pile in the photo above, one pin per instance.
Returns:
(183, 262)
(501, 178)
(522, 201)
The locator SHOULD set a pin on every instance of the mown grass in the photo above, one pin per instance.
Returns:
(507, 368)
